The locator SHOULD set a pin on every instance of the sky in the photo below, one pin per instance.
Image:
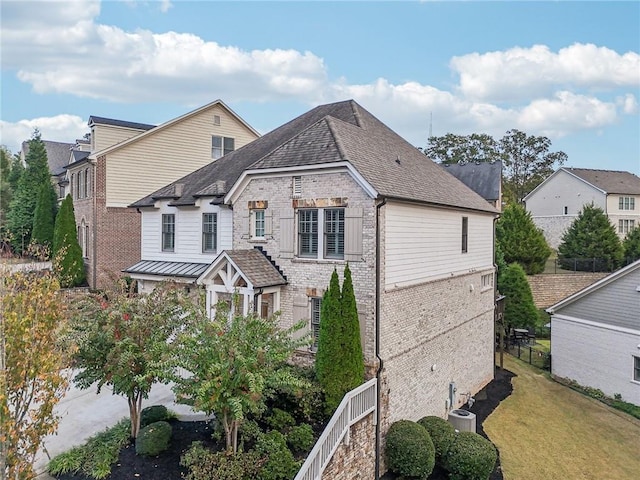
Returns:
(569, 71)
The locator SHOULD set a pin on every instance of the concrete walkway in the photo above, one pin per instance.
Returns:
(85, 413)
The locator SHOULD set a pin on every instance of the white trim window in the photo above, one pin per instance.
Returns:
(168, 232)
(221, 146)
(209, 232)
(316, 304)
(636, 369)
(626, 203)
(334, 233)
(465, 234)
(258, 224)
(321, 230)
(486, 281)
(308, 233)
(625, 226)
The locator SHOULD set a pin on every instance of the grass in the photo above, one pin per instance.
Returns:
(547, 430)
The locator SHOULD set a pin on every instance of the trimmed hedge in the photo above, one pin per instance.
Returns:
(442, 434)
(471, 457)
(152, 414)
(280, 464)
(153, 439)
(410, 451)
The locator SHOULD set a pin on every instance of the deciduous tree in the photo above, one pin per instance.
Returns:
(32, 381)
(231, 360)
(124, 340)
(451, 148)
(67, 254)
(591, 242)
(520, 240)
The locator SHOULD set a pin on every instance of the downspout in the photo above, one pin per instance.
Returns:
(94, 226)
(377, 328)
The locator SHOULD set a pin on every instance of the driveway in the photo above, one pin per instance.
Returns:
(85, 413)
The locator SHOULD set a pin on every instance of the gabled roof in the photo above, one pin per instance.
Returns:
(610, 181)
(94, 120)
(77, 156)
(252, 264)
(57, 155)
(154, 129)
(595, 286)
(334, 133)
(482, 177)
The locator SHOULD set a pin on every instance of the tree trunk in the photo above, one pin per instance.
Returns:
(135, 408)
(235, 436)
(227, 432)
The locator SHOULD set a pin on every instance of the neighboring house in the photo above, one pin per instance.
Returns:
(57, 158)
(127, 160)
(484, 178)
(595, 335)
(557, 201)
(271, 221)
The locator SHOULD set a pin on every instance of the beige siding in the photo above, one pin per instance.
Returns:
(109, 135)
(168, 154)
(424, 243)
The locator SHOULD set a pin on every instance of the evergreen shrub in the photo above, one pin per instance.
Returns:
(301, 438)
(470, 457)
(152, 414)
(279, 464)
(153, 439)
(410, 451)
(442, 434)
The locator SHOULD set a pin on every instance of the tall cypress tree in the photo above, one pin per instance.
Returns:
(43, 219)
(353, 360)
(67, 254)
(328, 364)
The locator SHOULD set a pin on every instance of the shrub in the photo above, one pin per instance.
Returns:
(410, 451)
(280, 420)
(203, 463)
(279, 464)
(301, 438)
(153, 439)
(442, 434)
(305, 402)
(470, 457)
(154, 413)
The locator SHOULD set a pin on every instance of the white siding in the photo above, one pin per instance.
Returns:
(423, 243)
(188, 240)
(160, 158)
(595, 355)
(563, 190)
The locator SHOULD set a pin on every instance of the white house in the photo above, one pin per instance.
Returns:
(595, 335)
(273, 219)
(557, 201)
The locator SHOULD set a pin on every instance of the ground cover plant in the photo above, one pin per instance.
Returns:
(547, 430)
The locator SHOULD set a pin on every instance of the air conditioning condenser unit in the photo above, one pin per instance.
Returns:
(462, 420)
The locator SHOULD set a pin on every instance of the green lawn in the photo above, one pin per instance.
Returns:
(547, 431)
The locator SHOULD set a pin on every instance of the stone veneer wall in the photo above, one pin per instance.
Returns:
(355, 461)
(549, 288)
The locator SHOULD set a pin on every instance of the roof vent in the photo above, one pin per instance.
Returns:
(296, 187)
(216, 119)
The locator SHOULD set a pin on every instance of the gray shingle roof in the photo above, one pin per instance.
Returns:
(611, 181)
(256, 267)
(481, 177)
(57, 155)
(174, 269)
(119, 123)
(336, 132)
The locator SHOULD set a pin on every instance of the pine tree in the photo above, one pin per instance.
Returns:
(520, 240)
(328, 365)
(352, 357)
(591, 243)
(67, 254)
(631, 245)
(519, 309)
(43, 220)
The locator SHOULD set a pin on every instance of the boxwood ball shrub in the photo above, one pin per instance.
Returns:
(300, 438)
(410, 451)
(152, 414)
(442, 434)
(471, 457)
(153, 439)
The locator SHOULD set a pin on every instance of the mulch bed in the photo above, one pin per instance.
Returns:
(167, 465)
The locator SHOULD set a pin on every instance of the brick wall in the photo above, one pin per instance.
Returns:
(548, 289)
(355, 461)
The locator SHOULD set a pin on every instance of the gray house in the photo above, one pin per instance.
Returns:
(595, 335)
(484, 178)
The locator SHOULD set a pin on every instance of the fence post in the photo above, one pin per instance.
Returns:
(530, 356)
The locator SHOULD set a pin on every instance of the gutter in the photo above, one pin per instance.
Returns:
(377, 329)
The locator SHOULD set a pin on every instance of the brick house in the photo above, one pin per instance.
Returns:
(272, 220)
(127, 160)
(557, 201)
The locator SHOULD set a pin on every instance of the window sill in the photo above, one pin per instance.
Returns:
(318, 260)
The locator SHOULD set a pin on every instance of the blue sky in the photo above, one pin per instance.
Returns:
(566, 70)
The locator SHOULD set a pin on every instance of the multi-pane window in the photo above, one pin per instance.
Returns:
(625, 226)
(168, 232)
(72, 186)
(86, 242)
(308, 233)
(636, 369)
(258, 223)
(486, 281)
(221, 146)
(626, 203)
(315, 321)
(86, 182)
(78, 183)
(334, 233)
(209, 232)
(465, 234)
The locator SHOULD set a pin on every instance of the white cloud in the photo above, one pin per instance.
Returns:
(60, 128)
(519, 73)
(165, 5)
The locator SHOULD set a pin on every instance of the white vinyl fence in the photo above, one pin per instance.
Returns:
(356, 404)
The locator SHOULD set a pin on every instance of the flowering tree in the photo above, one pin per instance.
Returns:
(232, 360)
(124, 339)
(32, 381)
